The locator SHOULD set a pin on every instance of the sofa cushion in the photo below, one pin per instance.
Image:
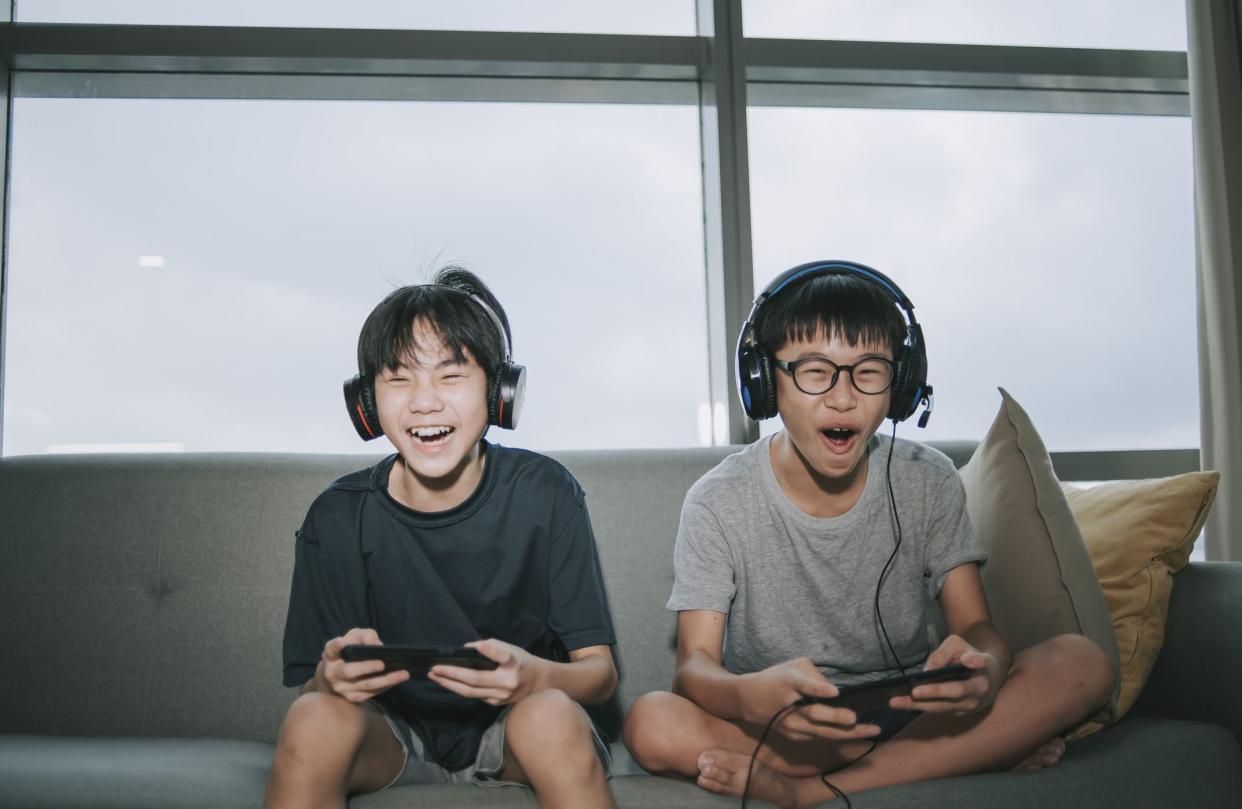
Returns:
(70, 772)
(1140, 761)
(1038, 577)
(1139, 533)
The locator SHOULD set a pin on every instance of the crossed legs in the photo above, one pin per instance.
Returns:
(1050, 687)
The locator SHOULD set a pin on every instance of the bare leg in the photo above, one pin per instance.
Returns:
(1050, 687)
(330, 748)
(548, 745)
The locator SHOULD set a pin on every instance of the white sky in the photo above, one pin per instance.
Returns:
(1049, 254)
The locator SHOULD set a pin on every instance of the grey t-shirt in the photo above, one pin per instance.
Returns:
(794, 585)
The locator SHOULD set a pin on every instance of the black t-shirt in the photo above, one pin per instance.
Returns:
(515, 561)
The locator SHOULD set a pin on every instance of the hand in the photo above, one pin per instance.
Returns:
(968, 695)
(359, 681)
(518, 674)
(766, 692)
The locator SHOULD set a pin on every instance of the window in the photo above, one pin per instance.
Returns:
(1136, 24)
(1049, 254)
(553, 16)
(192, 274)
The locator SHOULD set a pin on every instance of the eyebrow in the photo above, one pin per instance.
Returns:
(445, 363)
(871, 355)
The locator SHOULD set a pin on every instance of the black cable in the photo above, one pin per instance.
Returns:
(892, 501)
(750, 770)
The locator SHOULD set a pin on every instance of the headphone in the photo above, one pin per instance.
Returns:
(504, 396)
(754, 367)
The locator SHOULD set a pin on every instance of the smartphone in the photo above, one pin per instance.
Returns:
(418, 659)
(873, 695)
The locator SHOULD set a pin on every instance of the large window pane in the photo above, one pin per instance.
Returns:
(193, 273)
(565, 16)
(1140, 24)
(1049, 254)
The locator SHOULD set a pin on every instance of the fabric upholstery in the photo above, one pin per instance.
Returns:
(1139, 533)
(1038, 577)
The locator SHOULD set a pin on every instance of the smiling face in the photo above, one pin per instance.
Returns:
(433, 408)
(826, 435)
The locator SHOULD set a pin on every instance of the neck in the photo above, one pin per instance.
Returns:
(442, 493)
(814, 493)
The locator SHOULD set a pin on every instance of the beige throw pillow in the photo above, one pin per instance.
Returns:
(1038, 578)
(1139, 533)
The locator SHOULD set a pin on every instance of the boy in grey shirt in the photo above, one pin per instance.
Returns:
(808, 560)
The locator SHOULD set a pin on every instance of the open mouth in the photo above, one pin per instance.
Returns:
(839, 436)
(431, 436)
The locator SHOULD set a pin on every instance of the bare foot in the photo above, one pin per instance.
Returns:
(724, 772)
(1046, 756)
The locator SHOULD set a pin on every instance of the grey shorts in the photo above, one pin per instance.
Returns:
(487, 765)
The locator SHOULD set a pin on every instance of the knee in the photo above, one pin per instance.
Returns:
(319, 728)
(549, 722)
(1080, 668)
(652, 731)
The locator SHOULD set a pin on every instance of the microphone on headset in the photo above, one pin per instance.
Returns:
(929, 401)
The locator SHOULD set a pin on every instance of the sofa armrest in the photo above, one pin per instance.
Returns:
(1199, 671)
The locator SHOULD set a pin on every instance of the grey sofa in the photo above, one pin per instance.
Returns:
(142, 601)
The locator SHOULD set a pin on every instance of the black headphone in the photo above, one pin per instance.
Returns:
(754, 366)
(504, 395)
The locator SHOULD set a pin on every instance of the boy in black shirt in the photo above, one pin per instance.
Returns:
(452, 541)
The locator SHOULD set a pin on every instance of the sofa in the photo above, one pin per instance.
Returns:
(142, 605)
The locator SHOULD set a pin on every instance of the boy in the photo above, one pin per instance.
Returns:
(451, 541)
(785, 545)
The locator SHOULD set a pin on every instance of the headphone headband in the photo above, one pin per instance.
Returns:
(756, 384)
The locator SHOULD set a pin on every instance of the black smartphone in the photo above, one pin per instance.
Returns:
(873, 695)
(418, 659)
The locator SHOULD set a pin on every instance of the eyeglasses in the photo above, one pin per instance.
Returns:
(814, 376)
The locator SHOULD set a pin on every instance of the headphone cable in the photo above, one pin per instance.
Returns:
(892, 500)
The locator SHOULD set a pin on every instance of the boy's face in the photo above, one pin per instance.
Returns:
(814, 422)
(432, 408)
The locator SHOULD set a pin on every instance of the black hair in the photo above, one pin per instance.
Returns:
(445, 305)
(835, 304)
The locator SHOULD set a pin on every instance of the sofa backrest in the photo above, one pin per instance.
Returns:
(145, 595)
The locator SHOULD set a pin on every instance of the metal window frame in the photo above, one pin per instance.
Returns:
(719, 69)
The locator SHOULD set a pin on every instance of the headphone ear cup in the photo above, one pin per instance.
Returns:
(767, 383)
(360, 403)
(504, 401)
(908, 384)
(754, 378)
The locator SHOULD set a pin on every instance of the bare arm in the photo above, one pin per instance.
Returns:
(972, 641)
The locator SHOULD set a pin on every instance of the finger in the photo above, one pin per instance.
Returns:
(939, 691)
(945, 653)
(813, 730)
(361, 635)
(374, 685)
(363, 690)
(828, 715)
(360, 669)
(469, 691)
(951, 707)
(479, 678)
(492, 649)
(973, 660)
(332, 649)
(813, 685)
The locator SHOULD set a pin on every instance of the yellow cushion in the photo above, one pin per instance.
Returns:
(1138, 534)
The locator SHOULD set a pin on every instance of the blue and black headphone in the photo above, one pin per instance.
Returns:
(505, 392)
(754, 367)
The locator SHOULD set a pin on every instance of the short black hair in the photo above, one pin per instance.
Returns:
(445, 305)
(835, 304)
